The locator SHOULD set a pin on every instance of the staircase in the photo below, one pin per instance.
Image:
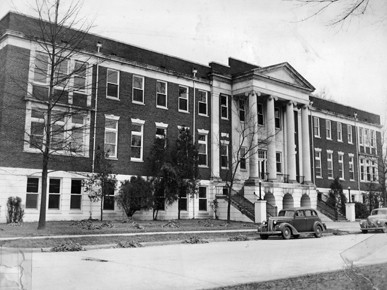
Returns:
(245, 206)
(330, 211)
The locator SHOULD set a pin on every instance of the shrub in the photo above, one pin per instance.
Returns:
(15, 211)
(128, 244)
(194, 240)
(68, 247)
(361, 210)
(238, 238)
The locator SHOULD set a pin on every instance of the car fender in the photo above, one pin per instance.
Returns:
(317, 223)
(293, 229)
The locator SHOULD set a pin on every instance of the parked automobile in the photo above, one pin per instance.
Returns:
(377, 220)
(293, 222)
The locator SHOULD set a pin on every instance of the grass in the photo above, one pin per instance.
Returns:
(367, 277)
(87, 227)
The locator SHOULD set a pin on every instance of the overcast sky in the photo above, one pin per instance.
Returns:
(348, 61)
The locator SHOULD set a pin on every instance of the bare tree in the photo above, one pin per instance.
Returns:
(345, 8)
(251, 137)
(56, 126)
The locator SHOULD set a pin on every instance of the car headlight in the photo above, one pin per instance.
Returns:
(378, 222)
(264, 223)
(275, 222)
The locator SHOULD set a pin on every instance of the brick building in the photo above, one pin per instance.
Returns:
(127, 96)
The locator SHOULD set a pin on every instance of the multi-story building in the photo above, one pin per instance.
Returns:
(127, 96)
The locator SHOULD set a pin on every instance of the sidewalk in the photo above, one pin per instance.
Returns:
(350, 227)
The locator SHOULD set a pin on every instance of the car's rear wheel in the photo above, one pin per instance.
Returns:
(364, 231)
(318, 231)
(264, 237)
(286, 233)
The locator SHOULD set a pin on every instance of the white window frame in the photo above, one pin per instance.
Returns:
(164, 127)
(330, 164)
(373, 139)
(278, 162)
(73, 194)
(224, 107)
(203, 199)
(341, 165)
(204, 143)
(317, 157)
(316, 127)
(351, 168)
(260, 114)
(362, 169)
(165, 95)
(181, 97)
(205, 94)
(349, 134)
(138, 122)
(242, 109)
(339, 132)
(112, 83)
(328, 129)
(37, 193)
(366, 137)
(139, 89)
(113, 130)
(277, 116)
(361, 136)
(225, 144)
(54, 193)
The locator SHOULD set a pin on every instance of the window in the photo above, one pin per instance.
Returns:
(41, 68)
(112, 84)
(243, 158)
(76, 194)
(202, 198)
(108, 199)
(58, 130)
(366, 137)
(349, 132)
(183, 205)
(373, 139)
(317, 158)
(138, 90)
(368, 169)
(351, 168)
(32, 192)
(316, 127)
(202, 141)
(278, 159)
(77, 138)
(242, 110)
(277, 118)
(339, 132)
(161, 133)
(54, 194)
(61, 76)
(260, 115)
(183, 99)
(80, 75)
(136, 153)
(341, 165)
(224, 155)
(330, 164)
(361, 136)
(328, 124)
(362, 171)
(37, 128)
(111, 136)
(202, 98)
(161, 94)
(224, 107)
(374, 171)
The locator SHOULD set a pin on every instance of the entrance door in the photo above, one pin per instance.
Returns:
(262, 163)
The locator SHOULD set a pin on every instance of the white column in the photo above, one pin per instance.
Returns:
(252, 118)
(290, 144)
(215, 135)
(271, 163)
(306, 145)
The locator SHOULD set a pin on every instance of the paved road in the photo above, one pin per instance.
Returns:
(185, 266)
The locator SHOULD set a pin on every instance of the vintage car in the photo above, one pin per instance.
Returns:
(292, 222)
(376, 221)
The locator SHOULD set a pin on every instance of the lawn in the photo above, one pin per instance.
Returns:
(114, 229)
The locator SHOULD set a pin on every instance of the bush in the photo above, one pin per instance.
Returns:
(239, 238)
(361, 210)
(195, 240)
(68, 247)
(15, 211)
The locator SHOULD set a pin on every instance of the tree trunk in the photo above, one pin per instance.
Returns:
(229, 205)
(102, 207)
(43, 200)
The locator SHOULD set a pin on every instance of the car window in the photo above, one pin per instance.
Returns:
(288, 213)
(299, 213)
(308, 212)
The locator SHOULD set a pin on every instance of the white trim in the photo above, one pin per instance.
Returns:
(137, 121)
(202, 131)
(159, 124)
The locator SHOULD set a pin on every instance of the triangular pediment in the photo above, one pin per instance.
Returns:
(284, 72)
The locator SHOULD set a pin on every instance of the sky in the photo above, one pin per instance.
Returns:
(347, 62)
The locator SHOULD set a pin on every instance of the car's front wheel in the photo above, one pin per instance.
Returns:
(286, 233)
(318, 231)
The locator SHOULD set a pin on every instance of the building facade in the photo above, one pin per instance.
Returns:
(287, 144)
